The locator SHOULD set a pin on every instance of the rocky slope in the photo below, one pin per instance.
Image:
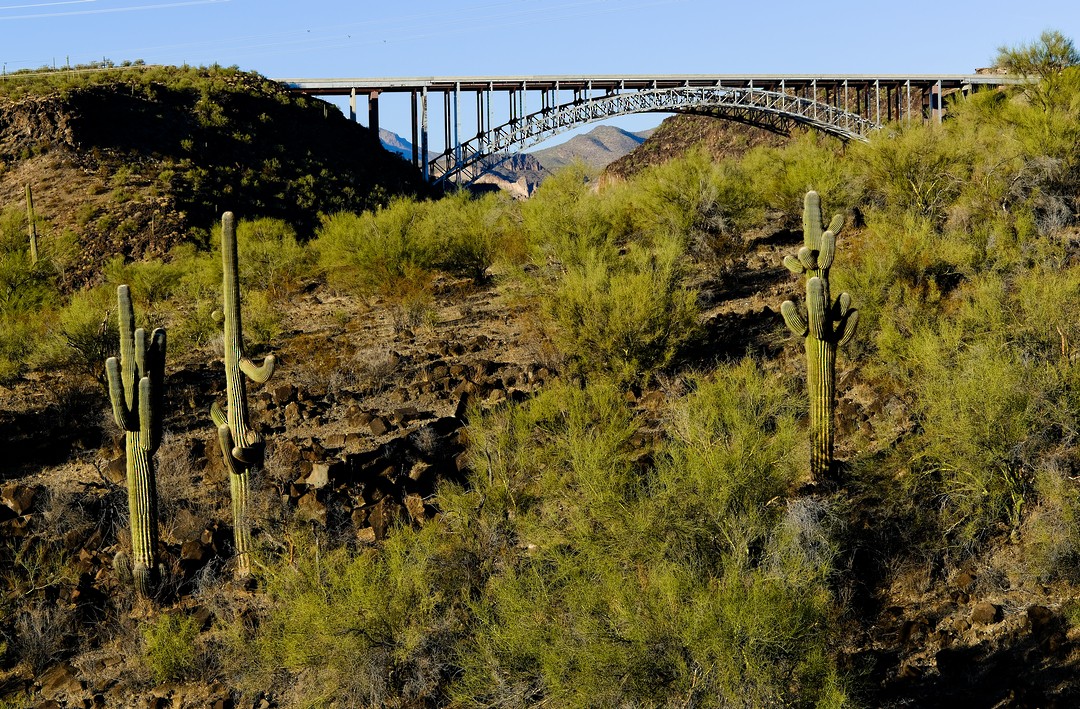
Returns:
(134, 162)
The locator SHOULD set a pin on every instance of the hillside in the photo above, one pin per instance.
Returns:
(566, 451)
(680, 133)
(134, 160)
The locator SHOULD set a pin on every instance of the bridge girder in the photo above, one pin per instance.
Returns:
(774, 110)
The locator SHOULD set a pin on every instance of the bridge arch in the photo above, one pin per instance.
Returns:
(774, 110)
(849, 106)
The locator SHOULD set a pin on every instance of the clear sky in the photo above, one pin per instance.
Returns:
(333, 38)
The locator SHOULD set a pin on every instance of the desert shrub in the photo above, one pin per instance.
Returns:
(780, 177)
(640, 585)
(462, 233)
(566, 219)
(85, 333)
(358, 629)
(1051, 534)
(707, 204)
(914, 167)
(170, 647)
(372, 252)
(626, 315)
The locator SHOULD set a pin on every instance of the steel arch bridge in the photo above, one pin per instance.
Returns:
(847, 106)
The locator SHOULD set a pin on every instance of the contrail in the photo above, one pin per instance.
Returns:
(104, 10)
(44, 4)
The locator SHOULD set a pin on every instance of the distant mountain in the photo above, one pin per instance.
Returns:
(597, 148)
(396, 144)
(521, 173)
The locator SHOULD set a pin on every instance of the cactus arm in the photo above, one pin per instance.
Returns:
(794, 265)
(225, 441)
(828, 250)
(848, 324)
(121, 412)
(807, 259)
(258, 373)
(146, 413)
(842, 306)
(836, 224)
(794, 319)
(126, 317)
(218, 417)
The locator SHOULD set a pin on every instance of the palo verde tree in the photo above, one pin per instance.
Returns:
(241, 445)
(826, 325)
(1042, 63)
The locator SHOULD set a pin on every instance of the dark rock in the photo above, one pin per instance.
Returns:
(404, 415)
(283, 394)
(986, 613)
(964, 581)
(59, 680)
(192, 550)
(414, 504)
(1040, 618)
(292, 413)
(116, 471)
(379, 426)
(383, 515)
(311, 508)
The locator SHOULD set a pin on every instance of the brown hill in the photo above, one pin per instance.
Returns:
(133, 160)
(680, 133)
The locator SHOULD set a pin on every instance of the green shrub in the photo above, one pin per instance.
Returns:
(706, 204)
(171, 651)
(780, 177)
(626, 315)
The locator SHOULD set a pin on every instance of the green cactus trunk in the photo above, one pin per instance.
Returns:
(142, 506)
(136, 389)
(31, 225)
(821, 382)
(826, 325)
(241, 445)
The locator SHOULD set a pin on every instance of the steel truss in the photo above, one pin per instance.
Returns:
(774, 110)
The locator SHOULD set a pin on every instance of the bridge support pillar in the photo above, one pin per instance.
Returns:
(415, 129)
(352, 105)
(423, 134)
(373, 112)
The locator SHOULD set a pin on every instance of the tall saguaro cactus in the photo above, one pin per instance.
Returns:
(241, 446)
(826, 325)
(136, 388)
(31, 225)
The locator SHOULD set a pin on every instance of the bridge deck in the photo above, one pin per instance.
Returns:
(538, 107)
(570, 82)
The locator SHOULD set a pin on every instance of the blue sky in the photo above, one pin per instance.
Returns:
(502, 37)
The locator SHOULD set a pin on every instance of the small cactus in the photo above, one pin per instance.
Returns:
(136, 388)
(241, 446)
(31, 225)
(826, 325)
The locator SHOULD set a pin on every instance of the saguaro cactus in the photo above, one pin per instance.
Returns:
(136, 388)
(826, 325)
(31, 225)
(241, 446)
